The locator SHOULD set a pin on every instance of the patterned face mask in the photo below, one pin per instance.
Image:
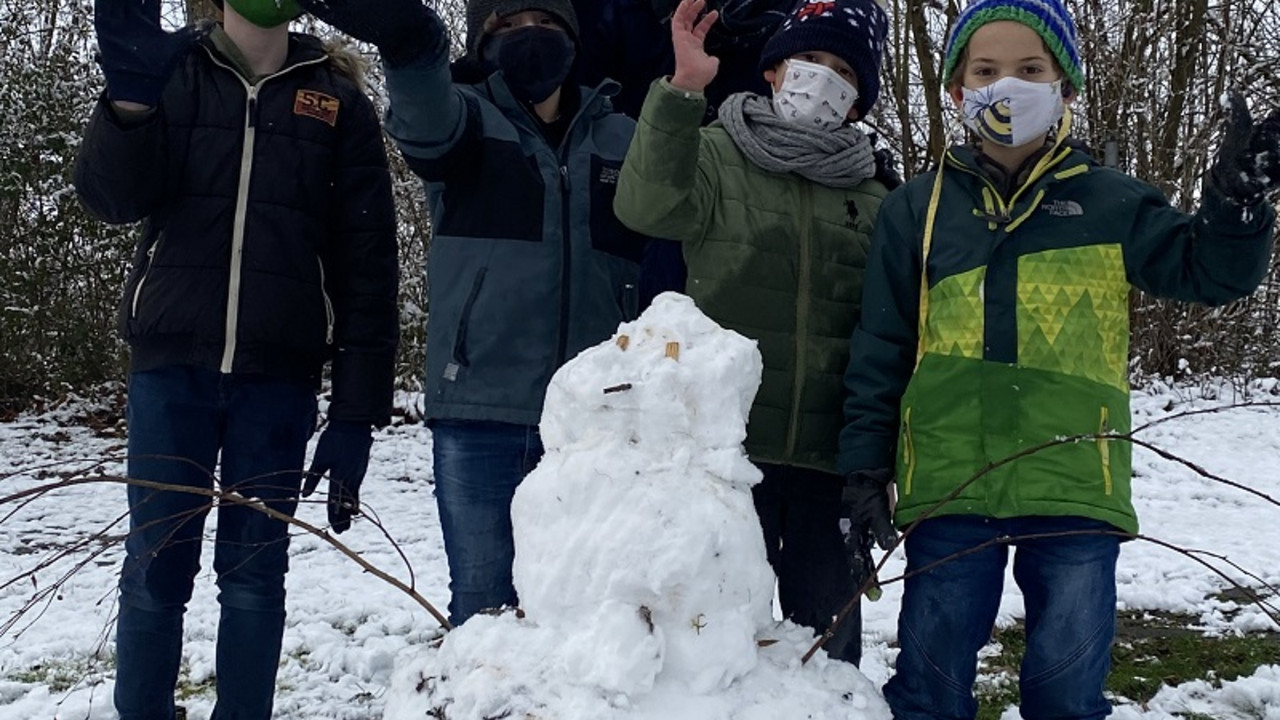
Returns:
(814, 96)
(1013, 112)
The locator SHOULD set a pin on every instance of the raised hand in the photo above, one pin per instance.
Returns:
(695, 69)
(137, 56)
(1248, 163)
(1266, 149)
(403, 30)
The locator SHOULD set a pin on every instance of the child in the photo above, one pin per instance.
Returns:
(268, 249)
(995, 319)
(774, 204)
(528, 264)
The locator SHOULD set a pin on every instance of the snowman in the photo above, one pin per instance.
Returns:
(640, 565)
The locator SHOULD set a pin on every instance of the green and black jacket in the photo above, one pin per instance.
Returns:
(1022, 335)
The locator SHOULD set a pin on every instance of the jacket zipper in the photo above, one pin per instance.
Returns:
(237, 232)
(329, 315)
(908, 452)
(1104, 449)
(566, 221)
(242, 201)
(137, 291)
(805, 216)
(566, 265)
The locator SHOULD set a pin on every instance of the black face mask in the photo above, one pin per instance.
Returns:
(533, 60)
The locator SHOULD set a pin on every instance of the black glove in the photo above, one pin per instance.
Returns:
(1248, 163)
(857, 547)
(343, 452)
(866, 504)
(403, 30)
(136, 55)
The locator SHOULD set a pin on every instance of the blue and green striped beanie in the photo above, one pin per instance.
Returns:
(1048, 18)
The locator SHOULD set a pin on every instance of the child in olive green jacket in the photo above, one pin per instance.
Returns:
(774, 204)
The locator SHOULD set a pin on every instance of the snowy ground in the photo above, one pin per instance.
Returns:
(347, 628)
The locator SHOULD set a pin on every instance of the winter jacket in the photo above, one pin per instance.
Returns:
(772, 256)
(528, 265)
(268, 245)
(1022, 335)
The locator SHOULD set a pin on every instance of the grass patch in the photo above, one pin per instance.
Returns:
(1151, 650)
(187, 689)
(62, 675)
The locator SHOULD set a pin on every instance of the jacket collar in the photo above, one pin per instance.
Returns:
(302, 49)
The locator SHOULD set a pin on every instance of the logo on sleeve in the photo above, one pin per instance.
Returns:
(314, 104)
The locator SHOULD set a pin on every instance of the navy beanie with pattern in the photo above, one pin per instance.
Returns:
(1049, 18)
(853, 30)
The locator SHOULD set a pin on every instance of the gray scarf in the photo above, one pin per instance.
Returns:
(839, 158)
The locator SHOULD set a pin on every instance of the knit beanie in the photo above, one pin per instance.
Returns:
(479, 10)
(853, 30)
(1048, 18)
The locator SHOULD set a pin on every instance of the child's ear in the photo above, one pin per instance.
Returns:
(1068, 93)
(771, 77)
(956, 92)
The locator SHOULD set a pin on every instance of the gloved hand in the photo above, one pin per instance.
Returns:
(137, 56)
(866, 504)
(1248, 163)
(857, 548)
(343, 452)
(403, 30)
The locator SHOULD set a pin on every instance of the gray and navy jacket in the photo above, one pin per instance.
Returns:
(269, 245)
(528, 265)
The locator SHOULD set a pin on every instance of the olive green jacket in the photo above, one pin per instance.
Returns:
(775, 257)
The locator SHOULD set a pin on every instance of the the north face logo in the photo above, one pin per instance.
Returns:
(1063, 208)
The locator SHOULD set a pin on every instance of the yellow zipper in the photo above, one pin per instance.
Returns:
(1104, 449)
(908, 452)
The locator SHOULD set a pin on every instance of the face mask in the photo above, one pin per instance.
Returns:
(813, 95)
(1011, 111)
(533, 60)
(267, 13)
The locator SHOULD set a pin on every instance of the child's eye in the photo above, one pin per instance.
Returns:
(846, 72)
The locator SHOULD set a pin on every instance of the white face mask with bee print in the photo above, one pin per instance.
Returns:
(814, 96)
(1011, 111)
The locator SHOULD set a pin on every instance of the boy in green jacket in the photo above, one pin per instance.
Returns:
(996, 321)
(774, 204)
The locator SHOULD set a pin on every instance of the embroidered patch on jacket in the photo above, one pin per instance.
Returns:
(311, 103)
(1063, 208)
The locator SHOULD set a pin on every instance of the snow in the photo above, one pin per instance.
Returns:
(356, 647)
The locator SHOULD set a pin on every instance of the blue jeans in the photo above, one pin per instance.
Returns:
(478, 466)
(179, 419)
(1069, 588)
(800, 515)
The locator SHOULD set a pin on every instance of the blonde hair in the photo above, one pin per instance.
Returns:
(347, 61)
